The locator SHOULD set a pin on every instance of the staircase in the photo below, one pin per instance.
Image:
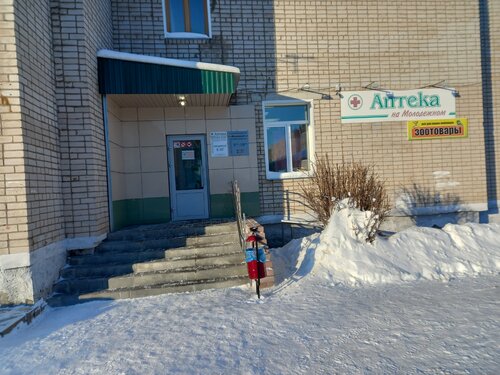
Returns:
(152, 260)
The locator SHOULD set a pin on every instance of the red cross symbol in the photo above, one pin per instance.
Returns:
(355, 102)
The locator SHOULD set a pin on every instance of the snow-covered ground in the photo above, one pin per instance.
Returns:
(305, 326)
(320, 319)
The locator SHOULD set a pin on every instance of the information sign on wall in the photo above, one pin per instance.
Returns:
(238, 143)
(219, 144)
(435, 129)
(380, 106)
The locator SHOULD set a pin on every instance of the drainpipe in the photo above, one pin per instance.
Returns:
(108, 161)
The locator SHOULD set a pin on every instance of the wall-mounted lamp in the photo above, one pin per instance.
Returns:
(338, 90)
(182, 101)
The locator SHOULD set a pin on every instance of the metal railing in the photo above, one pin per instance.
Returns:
(238, 213)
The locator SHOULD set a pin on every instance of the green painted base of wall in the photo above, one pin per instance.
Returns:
(140, 211)
(129, 212)
(221, 205)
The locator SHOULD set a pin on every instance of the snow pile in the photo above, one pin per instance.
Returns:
(416, 253)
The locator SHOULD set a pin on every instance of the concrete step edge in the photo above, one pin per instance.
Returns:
(161, 277)
(190, 261)
(194, 268)
(61, 299)
(187, 230)
(177, 237)
(174, 287)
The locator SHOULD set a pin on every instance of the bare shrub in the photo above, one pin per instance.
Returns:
(332, 183)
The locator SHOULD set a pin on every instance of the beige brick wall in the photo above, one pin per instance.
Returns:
(81, 28)
(40, 129)
(13, 220)
(401, 45)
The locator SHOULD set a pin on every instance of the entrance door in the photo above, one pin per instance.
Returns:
(187, 171)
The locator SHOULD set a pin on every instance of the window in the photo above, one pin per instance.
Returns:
(187, 18)
(288, 139)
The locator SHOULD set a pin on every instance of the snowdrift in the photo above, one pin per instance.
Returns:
(416, 253)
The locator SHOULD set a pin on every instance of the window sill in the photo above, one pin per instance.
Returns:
(186, 36)
(287, 175)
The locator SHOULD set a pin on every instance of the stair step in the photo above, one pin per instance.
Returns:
(116, 258)
(69, 299)
(197, 251)
(96, 270)
(181, 263)
(172, 230)
(166, 243)
(82, 285)
(157, 278)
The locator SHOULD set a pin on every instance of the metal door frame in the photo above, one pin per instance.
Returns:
(171, 173)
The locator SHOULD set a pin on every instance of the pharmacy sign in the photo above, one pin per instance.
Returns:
(380, 106)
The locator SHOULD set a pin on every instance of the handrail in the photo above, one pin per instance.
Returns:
(238, 213)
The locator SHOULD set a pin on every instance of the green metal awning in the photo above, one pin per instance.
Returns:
(131, 74)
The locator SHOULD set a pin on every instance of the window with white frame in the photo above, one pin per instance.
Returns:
(187, 18)
(288, 139)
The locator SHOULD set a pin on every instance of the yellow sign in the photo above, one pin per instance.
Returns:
(435, 129)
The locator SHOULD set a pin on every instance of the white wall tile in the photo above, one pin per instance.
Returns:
(195, 127)
(150, 114)
(155, 185)
(174, 113)
(130, 134)
(131, 160)
(152, 133)
(128, 114)
(133, 186)
(220, 181)
(217, 112)
(153, 159)
(173, 127)
(242, 111)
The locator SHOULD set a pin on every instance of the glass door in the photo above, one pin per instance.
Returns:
(188, 177)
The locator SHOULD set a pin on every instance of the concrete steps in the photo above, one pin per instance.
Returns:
(153, 260)
(173, 230)
(71, 299)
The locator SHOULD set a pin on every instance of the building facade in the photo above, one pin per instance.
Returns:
(125, 112)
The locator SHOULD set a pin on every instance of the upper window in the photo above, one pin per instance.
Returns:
(288, 138)
(187, 18)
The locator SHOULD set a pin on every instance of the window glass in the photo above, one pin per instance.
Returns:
(276, 149)
(188, 165)
(288, 140)
(298, 135)
(286, 113)
(197, 15)
(177, 16)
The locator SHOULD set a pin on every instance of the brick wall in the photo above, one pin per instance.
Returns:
(401, 45)
(40, 128)
(13, 220)
(81, 28)
(282, 45)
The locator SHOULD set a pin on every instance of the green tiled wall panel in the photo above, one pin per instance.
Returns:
(129, 212)
(140, 211)
(221, 205)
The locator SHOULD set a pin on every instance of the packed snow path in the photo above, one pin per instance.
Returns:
(304, 326)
